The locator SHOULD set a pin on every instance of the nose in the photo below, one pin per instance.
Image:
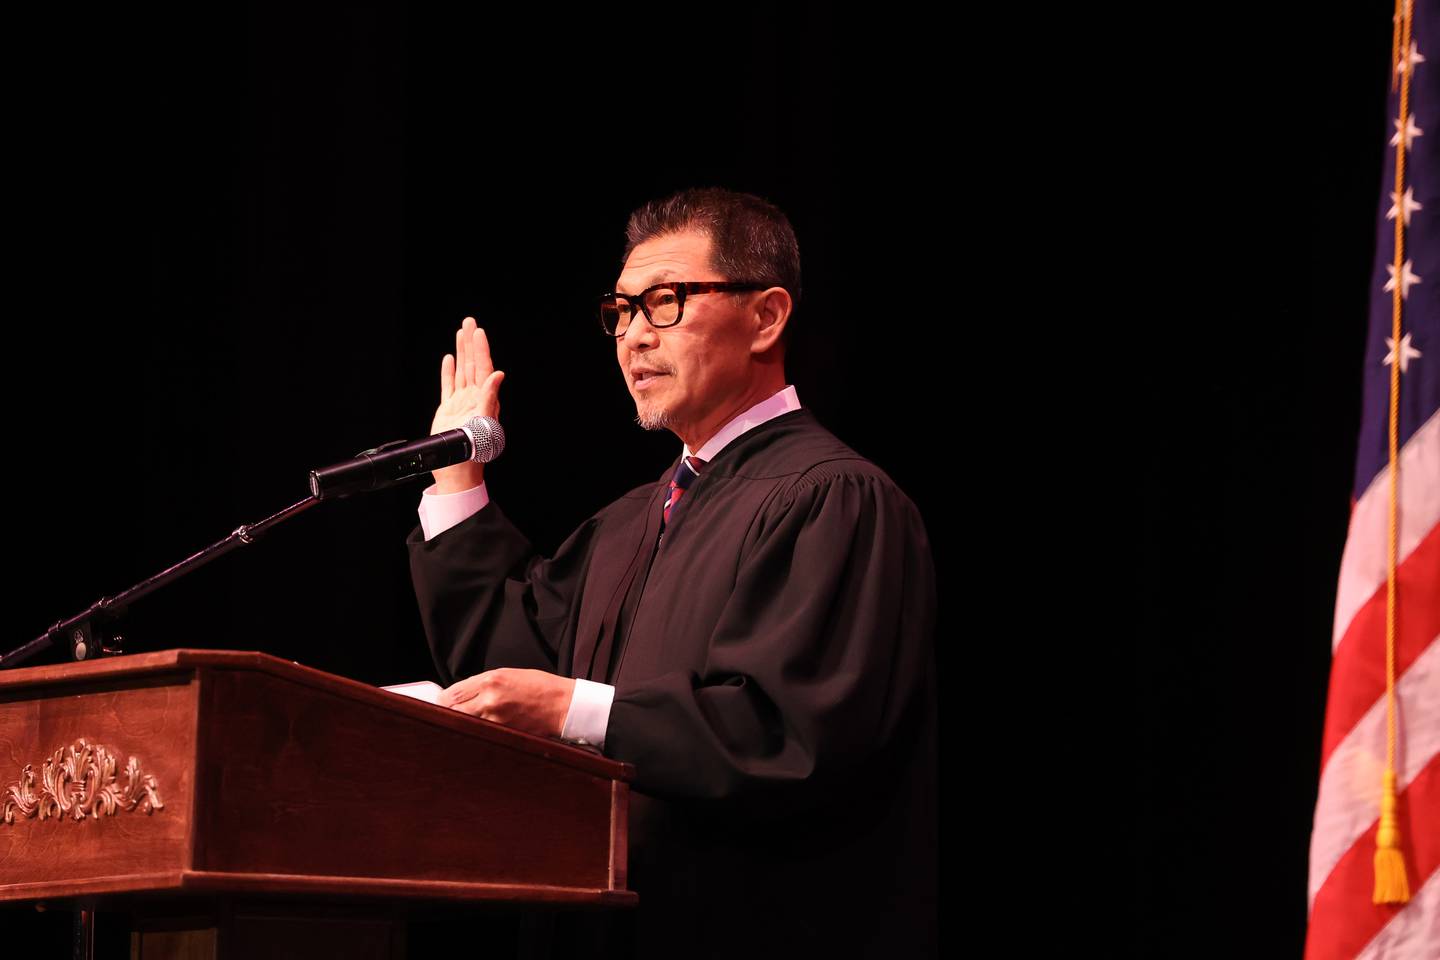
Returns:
(639, 335)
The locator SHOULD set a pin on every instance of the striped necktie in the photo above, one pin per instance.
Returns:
(685, 474)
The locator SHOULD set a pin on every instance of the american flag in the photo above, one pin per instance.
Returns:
(1367, 732)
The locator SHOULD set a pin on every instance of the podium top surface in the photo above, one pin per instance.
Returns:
(137, 667)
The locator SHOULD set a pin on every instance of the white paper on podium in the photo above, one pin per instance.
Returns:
(426, 690)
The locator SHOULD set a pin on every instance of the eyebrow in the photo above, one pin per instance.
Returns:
(665, 274)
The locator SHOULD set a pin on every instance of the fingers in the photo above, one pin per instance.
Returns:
(467, 333)
(491, 392)
(462, 690)
(462, 351)
(480, 352)
(476, 695)
(472, 364)
(447, 377)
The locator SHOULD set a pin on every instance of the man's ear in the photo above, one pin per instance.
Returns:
(772, 313)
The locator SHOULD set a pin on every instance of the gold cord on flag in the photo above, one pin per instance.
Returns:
(1395, 46)
(1391, 884)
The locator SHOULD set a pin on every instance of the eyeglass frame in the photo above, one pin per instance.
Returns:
(683, 289)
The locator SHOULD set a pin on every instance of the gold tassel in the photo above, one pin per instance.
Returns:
(1391, 884)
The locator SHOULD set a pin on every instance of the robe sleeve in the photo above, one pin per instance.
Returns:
(488, 600)
(820, 656)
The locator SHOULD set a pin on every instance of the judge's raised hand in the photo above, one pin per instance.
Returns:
(469, 387)
(530, 700)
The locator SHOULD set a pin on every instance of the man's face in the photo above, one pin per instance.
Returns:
(684, 377)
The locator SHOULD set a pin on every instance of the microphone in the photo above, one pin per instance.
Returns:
(481, 439)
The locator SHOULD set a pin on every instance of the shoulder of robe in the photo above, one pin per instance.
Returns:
(853, 470)
(847, 486)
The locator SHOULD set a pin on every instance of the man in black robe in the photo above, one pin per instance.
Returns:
(753, 630)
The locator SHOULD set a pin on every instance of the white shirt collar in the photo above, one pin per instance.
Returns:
(783, 402)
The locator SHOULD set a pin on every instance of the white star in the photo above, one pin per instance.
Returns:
(1407, 132)
(1409, 58)
(1407, 352)
(1405, 205)
(1406, 278)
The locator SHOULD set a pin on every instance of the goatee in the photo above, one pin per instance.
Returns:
(653, 419)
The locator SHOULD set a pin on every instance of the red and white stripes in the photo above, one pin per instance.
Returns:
(1344, 923)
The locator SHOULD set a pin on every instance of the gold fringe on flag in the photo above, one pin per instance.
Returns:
(1391, 884)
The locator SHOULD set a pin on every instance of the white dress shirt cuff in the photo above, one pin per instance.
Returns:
(441, 511)
(589, 715)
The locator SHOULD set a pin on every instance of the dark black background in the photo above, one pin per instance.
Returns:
(250, 243)
(244, 237)
(1263, 186)
(1095, 300)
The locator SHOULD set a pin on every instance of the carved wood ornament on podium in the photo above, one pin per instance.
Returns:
(77, 782)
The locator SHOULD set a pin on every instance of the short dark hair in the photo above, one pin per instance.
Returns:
(750, 239)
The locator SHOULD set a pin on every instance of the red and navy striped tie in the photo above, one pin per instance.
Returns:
(685, 474)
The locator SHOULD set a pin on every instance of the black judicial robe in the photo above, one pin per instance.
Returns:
(772, 655)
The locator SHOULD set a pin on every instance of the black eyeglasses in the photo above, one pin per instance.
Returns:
(663, 304)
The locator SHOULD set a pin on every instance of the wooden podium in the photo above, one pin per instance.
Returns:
(283, 809)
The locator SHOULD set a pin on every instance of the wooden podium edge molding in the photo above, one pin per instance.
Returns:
(280, 884)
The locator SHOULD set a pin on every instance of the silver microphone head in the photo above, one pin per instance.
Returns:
(487, 438)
